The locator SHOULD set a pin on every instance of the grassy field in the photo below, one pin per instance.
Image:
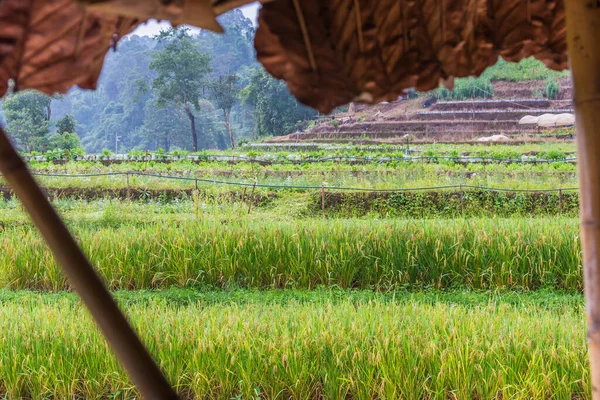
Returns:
(306, 345)
(219, 250)
(241, 295)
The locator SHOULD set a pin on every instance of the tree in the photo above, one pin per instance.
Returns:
(163, 127)
(66, 124)
(108, 124)
(180, 69)
(225, 93)
(66, 137)
(28, 119)
(276, 111)
(66, 141)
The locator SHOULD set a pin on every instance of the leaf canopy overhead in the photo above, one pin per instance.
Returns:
(329, 52)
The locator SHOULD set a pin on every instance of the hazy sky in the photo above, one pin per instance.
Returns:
(153, 27)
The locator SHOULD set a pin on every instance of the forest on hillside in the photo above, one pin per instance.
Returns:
(190, 90)
(178, 90)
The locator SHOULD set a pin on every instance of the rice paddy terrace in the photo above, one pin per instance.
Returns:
(364, 288)
(427, 120)
(388, 270)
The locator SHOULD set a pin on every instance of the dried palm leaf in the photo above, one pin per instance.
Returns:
(199, 13)
(51, 45)
(375, 50)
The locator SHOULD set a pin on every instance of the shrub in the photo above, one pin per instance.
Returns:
(552, 88)
(468, 88)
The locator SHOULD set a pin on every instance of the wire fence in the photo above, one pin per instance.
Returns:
(351, 159)
(323, 186)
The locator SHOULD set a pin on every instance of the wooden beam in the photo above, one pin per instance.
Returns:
(144, 373)
(583, 32)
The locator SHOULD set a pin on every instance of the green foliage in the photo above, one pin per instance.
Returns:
(525, 70)
(224, 92)
(275, 110)
(446, 204)
(552, 88)
(125, 103)
(66, 141)
(181, 69)
(28, 119)
(467, 88)
(66, 124)
(163, 127)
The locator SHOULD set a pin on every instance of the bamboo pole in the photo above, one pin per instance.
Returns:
(583, 35)
(144, 373)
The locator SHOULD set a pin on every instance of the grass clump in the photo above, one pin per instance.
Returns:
(528, 69)
(467, 88)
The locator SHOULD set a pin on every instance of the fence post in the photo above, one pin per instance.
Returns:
(560, 201)
(462, 197)
(252, 195)
(323, 198)
(128, 188)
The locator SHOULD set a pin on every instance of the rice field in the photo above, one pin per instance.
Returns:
(252, 252)
(380, 176)
(305, 345)
(277, 294)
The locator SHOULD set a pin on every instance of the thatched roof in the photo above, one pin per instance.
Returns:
(329, 52)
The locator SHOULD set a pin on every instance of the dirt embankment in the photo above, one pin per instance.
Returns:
(423, 118)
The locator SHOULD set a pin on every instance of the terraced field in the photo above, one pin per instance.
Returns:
(303, 290)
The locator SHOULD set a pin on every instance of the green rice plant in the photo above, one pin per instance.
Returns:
(314, 347)
(378, 254)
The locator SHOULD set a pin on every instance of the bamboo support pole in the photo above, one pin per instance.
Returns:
(583, 35)
(144, 373)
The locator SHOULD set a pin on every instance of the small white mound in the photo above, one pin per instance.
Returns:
(494, 138)
(547, 120)
(565, 119)
(529, 120)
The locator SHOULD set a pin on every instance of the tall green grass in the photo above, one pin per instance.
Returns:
(248, 252)
(319, 348)
(466, 88)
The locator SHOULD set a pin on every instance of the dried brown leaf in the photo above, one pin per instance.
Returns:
(199, 13)
(389, 46)
(51, 45)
